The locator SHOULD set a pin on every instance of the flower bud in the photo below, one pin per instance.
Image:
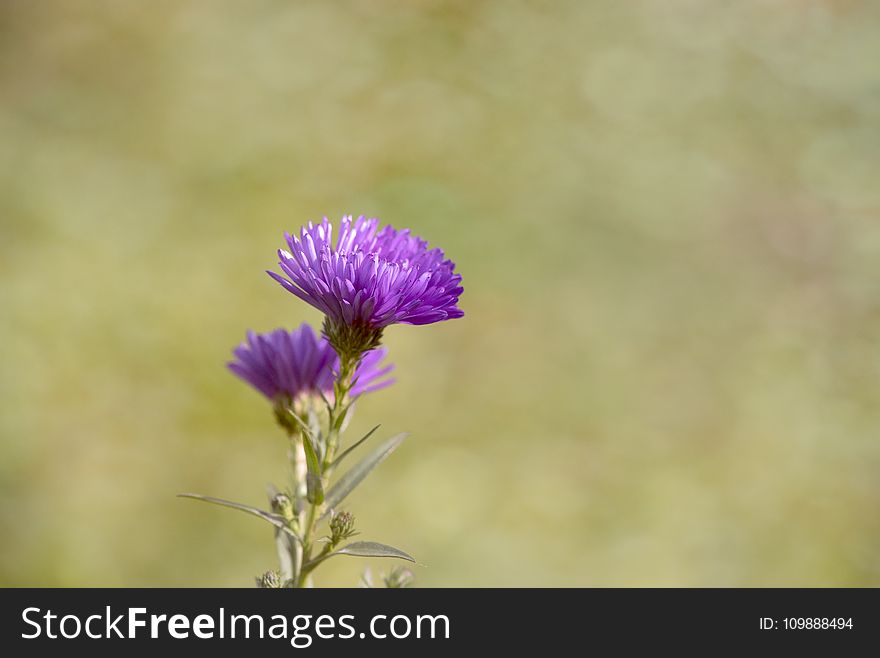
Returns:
(269, 580)
(341, 527)
(281, 504)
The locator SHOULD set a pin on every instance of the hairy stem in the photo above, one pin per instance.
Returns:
(298, 488)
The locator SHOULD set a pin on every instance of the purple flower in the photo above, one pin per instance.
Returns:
(285, 365)
(369, 278)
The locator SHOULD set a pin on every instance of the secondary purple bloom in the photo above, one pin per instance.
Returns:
(369, 278)
(282, 364)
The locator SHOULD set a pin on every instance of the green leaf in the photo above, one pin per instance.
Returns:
(348, 450)
(359, 471)
(372, 549)
(361, 549)
(275, 519)
(314, 488)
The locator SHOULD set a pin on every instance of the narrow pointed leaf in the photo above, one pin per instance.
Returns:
(275, 519)
(373, 549)
(346, 484)
(314, 488)
(354, 445)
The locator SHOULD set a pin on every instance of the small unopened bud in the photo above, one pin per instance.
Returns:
(399, 578)
(281, 504)
(341, 527)
(269, 580)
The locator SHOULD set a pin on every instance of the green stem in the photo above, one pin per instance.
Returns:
(336, 418)
(320, 557)
(338, 411)
(302, 579)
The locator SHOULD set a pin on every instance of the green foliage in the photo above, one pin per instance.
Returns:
(347, 483)
(354, 445)
(314, 484)
(372, 549)
(296, 526)
(275, 519)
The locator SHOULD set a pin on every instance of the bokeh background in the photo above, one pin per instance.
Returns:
(667, 216)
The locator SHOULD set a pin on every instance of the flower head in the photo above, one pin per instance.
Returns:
(369, 278)
(285, 365)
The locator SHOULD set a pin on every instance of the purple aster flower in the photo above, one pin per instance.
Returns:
(368, 279)
(284, 365)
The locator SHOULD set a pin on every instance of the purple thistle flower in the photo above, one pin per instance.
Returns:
(369, 278)
(284, 365)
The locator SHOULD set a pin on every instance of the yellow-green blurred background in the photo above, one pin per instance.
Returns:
(666, 213)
